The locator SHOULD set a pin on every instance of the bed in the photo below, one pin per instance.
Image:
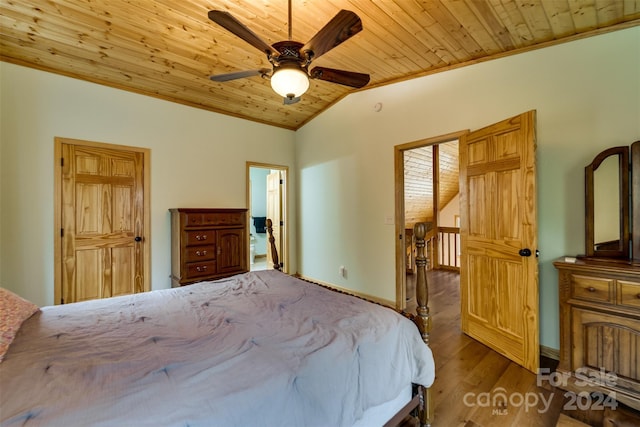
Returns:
(260, 348)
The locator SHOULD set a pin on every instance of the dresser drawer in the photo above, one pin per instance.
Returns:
(200, 237)
(200, 269)
(224, 218)
(629, 294)
(214, 218)
(200, 253)
(597, 289)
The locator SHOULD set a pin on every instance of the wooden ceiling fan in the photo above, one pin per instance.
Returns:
(290, 59)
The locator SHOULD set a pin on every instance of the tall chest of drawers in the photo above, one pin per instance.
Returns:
(207, 244)
(600, 327)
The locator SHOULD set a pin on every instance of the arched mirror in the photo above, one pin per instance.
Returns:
(607, 204)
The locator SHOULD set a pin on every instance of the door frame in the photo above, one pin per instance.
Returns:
(284, 214)
(398, 156)
(57, 209)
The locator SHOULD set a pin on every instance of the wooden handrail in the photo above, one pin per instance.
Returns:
(445, 258)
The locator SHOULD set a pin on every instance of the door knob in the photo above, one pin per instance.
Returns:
(138, 239)
(525, 252)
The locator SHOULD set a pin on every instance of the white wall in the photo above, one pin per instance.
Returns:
(587, 97)
(198, 159)
(449, 212)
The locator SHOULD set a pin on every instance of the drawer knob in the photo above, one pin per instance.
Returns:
(591, 289)
(638, 296)
(201, 237)
(201, 268)
(201, 253)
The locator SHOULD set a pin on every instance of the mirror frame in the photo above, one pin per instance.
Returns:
(623, 175)
(635, 201)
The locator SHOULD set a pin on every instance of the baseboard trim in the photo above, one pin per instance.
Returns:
(549, 352)
(381, 301)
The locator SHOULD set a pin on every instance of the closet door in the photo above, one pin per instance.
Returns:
(274, 212)
(102, 222)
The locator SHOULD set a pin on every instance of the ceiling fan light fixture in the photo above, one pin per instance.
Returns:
(289, 81)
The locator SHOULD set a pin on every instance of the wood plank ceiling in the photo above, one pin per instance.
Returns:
(419, 181)
(168, 49)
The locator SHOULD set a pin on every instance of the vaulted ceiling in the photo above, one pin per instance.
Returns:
(168, 48)
(419, 181)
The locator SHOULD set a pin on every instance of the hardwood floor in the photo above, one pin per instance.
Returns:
(477, 387)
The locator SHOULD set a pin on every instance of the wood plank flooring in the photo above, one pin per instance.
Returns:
(477, 387)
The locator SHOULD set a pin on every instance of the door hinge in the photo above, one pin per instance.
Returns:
(62, 161)
(281, 223)
(62, 232)
(281, 182)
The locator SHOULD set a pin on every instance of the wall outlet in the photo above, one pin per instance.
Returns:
(342, 271)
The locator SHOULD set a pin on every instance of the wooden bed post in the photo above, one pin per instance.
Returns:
(423, 319)
(272, 245)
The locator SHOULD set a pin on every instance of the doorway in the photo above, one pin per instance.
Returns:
(498, 235)
(412, 160)
(431, 196)
(267, 195)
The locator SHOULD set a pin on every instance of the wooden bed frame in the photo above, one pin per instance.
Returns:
(421, 405)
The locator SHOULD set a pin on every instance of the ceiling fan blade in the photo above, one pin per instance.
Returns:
(346, 78)
(343, 26)
(226, 20)
(240, 75)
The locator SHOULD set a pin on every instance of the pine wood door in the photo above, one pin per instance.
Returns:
(102, 210)
(499, 282)
(274, 209)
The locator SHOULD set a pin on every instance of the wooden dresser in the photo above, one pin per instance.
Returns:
(207, 244)
(600, 327)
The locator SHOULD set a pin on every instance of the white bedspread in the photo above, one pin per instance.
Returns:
(258, 349)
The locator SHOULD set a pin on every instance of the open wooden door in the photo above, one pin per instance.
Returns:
(274, 212)
(499, 267)
(102, 212)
